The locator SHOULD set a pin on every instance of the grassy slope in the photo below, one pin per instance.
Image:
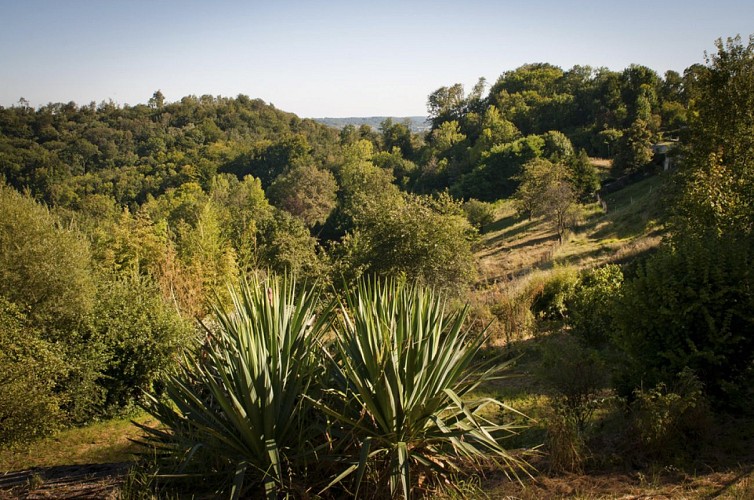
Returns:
(512, 247)
(511, 251)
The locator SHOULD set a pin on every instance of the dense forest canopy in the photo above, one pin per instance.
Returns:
(66, 153)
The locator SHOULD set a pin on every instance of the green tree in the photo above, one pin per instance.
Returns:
(287, 247)
(207, 254)
(716, 175)
(447, 135)
(157, 101)
(557, 147)
(583, 175)
(359, 181)
(446, 104)
(393, 162)
(244, 210)
(45, 271)
(397, 135)
(305, 191)
(426, 239)
(496, 130)
(546, 190)
(501, 131)
(496, 175)
(635, 147)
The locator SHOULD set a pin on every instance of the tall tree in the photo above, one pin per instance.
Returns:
(717, 167)
(445, 104)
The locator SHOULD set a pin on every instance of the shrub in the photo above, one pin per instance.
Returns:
(142, 336)
(513, 309)
(550, 302)
(236, 413)
(29, 370)
(564, 440)
(690, 307)
(670, 421)
(575, 373)
(590, 307)
(402, 371)
(479, 213)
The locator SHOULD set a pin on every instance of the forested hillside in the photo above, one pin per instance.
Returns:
(272, 190)
(128, 231)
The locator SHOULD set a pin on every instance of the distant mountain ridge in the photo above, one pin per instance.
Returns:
(417, 123)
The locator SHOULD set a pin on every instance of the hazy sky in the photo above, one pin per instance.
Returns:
(334, 58)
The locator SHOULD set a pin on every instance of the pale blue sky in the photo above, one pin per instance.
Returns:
(334, 58)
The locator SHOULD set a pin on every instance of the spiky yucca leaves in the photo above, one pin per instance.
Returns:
(235, 415)
(403, 367)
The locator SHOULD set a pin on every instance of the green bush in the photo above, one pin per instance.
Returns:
(512, 308)
(29, 370)
(575, 374)
(550, 302)
(590, 307)
(479, 213)
(142, 336)
(671, 421)
(691, 307)
(567, 450)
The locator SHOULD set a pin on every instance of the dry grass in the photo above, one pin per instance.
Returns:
(665, 483)
(104, 442)
(514, 247)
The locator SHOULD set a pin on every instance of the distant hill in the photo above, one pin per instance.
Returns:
(418, 123)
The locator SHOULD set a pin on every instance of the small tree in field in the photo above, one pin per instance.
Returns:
(546, 190)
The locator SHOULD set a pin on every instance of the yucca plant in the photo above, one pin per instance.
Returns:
(235, 415)
(403, 369)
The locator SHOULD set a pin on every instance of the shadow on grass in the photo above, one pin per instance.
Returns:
(534, 241)
(500, 224)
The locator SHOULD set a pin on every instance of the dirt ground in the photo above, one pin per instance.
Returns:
(733, 484)
(103, 481)
(92, 481)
